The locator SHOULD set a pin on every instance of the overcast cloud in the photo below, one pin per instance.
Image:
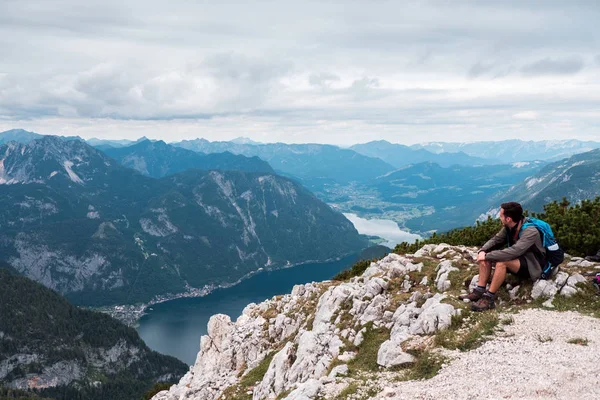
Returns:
(329, 72)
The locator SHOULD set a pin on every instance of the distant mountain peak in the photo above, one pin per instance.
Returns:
(15, 131)
(142, 139)
(42, 159)
(18, 135)
(244, 140)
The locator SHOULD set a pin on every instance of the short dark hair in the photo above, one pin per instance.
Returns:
(512, 210)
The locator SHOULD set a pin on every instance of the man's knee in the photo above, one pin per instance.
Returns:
(512, 265)
(501, 264)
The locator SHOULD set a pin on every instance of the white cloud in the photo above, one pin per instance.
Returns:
(527, 115)
(308, 71)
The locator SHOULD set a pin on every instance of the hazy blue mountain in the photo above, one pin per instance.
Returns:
(315, 165)
(158, 159)
(45, 342)
(18, 135)
(244, 140)
(78, 222)
(576, 178)
(399, 155)
(514, 150)
(23, 136)
(108, 143)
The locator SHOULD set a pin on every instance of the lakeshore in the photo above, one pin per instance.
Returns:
(130, 314)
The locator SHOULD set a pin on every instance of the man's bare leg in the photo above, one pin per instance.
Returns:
(500, 273)
(485, 269)
(486, 302)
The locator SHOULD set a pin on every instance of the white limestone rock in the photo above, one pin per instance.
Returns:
(575, 279)
(513, 292)
(390, 354)
(426, 250)
(435, 316)
(306, 391)
(474, 282)
(274, 379)
(360, 336)
(544, 289)
(347, 356)
(443, 270)
(561, 279)
(374, 310)
(340, 370)
(570, 287)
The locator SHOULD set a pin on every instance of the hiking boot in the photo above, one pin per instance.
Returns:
(473, 296)
(595, 258)
(484, 303)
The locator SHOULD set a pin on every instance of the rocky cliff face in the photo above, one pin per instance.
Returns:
(323, 338)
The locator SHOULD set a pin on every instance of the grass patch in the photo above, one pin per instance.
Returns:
(358, 391)
(310, 322)
(426, 366)
(458, 278)
(468, 330)
(507, 320)
(284, 394)
(585, 301)
(429, 264)
(579, 341)
(366, 359)
(350, 390)
(544, 339)
(239, 391)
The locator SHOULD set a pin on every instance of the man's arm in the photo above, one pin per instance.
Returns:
(528, 238)
(497, 240)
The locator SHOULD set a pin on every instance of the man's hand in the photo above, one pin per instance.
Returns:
(481, 256)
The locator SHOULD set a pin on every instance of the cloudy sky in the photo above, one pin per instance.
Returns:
(329, 72)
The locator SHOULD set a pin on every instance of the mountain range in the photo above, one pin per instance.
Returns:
(443, 198)
(399, 155)
(575, 178)
(514, 150)
(75, 220)
(315, 165)
(158, 159)
(385, 181)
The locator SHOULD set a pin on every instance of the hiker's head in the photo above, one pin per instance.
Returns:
(510, 213)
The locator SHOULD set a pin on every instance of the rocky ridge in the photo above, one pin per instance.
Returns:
(316, 341)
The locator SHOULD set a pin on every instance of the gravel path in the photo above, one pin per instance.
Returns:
(517, 365)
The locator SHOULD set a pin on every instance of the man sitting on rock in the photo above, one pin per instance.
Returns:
(523, 258)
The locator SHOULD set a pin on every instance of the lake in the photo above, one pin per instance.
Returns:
(175, 327)
(384, 228)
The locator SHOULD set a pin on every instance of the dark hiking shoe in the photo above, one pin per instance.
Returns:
(483, 304)
(595, 258)
(473, 296)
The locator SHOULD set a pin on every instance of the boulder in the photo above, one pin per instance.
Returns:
(340, 370)
(544, 289)
(390, 354)
(306, 391)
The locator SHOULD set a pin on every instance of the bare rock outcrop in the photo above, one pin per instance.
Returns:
(306, 340)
